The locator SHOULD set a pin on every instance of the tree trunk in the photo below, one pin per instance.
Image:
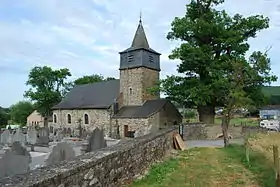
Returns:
(45, 121)
(225, 124)
(206, 114)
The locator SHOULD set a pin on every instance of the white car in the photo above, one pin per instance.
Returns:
(270, 124)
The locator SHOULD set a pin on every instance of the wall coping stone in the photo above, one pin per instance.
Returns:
(64, 169)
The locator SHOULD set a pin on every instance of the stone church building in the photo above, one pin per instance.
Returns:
(125, 106)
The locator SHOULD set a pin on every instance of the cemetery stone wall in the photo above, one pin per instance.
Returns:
(111, 166)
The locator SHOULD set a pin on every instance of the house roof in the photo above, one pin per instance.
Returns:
(91, 96)
(147, 109)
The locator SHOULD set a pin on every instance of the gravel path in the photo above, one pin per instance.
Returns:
(210, 143)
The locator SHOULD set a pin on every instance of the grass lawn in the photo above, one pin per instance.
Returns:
(237, 121)
(210, 167)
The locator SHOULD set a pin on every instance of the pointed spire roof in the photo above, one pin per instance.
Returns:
(140, 39)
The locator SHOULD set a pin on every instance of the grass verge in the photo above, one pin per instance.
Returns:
(259, 165)
(237, 121)
(210, 167)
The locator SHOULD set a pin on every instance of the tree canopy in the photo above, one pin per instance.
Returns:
(212, 42)
(20, 111)
(87, 79)
(48, 86)
(4, 116)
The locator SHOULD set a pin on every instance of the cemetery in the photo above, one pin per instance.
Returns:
(23, 152)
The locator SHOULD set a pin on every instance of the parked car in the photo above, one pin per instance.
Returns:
(273, 125)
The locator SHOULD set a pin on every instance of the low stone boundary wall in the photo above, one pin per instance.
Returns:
(195, 131)
(108, 167)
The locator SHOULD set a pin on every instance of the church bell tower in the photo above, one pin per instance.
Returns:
(139, 70)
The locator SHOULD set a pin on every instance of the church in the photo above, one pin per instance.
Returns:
(126, 106)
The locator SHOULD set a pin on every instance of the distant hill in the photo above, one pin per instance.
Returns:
(272, 93)
(271, 90)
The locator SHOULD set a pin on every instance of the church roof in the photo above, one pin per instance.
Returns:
(140, 40)
(149, 108)
(91, 96)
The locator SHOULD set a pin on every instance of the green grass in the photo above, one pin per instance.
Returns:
(239, 121)
(210, 167)
(235, 121)
(259, 165)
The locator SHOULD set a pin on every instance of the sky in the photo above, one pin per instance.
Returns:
(85, 36)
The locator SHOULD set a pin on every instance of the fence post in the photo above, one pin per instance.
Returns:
(276, 165)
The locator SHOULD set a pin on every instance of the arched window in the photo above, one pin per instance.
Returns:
(86, 121)
(54, 118)
(130, 90)
(69, 119)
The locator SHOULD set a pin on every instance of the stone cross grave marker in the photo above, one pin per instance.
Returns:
(62, 151)
(15, 161)
(96, 140)
(6, 137)
(19, 137)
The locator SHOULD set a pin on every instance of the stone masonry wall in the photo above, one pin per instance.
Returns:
(108, 167)
(133, 124)
(139, 80)
(97, 118)
(141, 126)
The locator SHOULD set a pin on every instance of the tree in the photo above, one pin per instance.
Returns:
(48, 87)
(4, 117)
(88, 79)
(255, 71)
(211, 41)
(20, 111)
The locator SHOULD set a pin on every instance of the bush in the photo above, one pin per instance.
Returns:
(189, 114)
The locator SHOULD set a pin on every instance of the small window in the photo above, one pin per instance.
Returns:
(151, 58)
(32, 123)
(130, 58)
(69, 118)
(130, 90)
(86, 121)
(54, 118)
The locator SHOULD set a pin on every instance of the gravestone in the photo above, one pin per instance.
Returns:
(62, 151)
(95, 141)
(32, 137)
(19, 137)
(6, 137)
(43, 138)
(15, 161)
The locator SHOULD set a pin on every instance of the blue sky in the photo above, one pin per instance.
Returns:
(86, 35)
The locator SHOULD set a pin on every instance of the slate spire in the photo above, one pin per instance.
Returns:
(140, 39)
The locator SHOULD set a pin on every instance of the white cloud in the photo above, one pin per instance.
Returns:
(86, 35)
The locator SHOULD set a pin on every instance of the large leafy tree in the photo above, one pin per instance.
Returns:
(211, 42)
(4, 117)
(87, 79)
(48, 86)
(20, 111)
